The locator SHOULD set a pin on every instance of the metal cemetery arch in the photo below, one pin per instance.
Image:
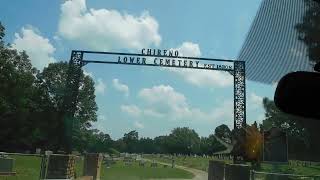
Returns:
(77, 61)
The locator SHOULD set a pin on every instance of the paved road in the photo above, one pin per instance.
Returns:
(198, 174)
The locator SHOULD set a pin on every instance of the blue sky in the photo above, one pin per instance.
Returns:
(150, 100)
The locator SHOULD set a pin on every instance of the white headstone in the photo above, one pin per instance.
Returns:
(48, 153)
(38, 150)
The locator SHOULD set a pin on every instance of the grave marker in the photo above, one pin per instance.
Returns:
(275, 146)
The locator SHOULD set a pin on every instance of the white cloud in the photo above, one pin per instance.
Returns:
(105, 29)
(205, 78)
(255, 101)
(121, 87)
(101, 123)
(132, 110)
(87, 73)
(100, 87)
(38, 48)
(189, 49)
(200, 78)
(56, 38)
(164, 101)
(153, 113)
(162, 93)
(138, 125)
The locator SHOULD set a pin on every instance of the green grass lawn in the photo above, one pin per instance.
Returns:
(286, 169)
(28, 168)
(203, 164)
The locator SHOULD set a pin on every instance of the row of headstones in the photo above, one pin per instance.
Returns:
(216, 156)
(183, 155)
(222, 156)
(133, 156)
(302, 163)
(38, 151)
(142, 163)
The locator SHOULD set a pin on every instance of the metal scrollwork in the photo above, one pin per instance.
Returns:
(76, 58)
(239, 95)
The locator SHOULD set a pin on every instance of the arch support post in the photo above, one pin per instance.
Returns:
(239, 110)
(71, 97)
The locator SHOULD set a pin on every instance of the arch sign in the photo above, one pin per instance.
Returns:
(157, 58)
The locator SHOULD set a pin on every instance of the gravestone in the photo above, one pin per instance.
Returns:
(48, 153)
(154, 164)
(237, 172)
(138, 158)
(172, 163)
(216, 170)
(142, 163)
(59, 167)
(38, 151)
(275, 146)
(6, 165)
(92, 165)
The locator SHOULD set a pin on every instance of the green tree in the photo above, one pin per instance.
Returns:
(97, 141)
(53, 80)
(210, 145)
(146, 145)
(131, 140)
(31, 103)
(223, 132)
(309, 30)
(302, 133)
(288, 123)
(21, 101)
(184, 140)
(161, 144)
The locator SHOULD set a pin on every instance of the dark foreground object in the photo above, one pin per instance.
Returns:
(237, 172)
(216, 170)
(298, 93)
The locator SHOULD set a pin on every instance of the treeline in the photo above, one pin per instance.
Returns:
(180, 141)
